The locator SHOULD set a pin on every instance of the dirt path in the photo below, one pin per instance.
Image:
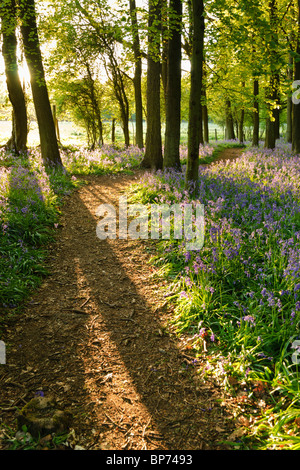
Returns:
(95, 335)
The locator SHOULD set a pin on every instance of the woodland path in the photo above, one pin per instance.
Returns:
(96, 335)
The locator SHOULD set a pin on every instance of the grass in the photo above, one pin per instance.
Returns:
(236, 301)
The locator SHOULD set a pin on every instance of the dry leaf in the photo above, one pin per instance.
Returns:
(237, 433)
(244, 421)
(219, 429)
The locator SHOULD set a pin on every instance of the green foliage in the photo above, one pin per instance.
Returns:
(23, 440)
(235, 301)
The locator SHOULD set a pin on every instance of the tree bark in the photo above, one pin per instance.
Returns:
(164, 48)
(113, 130)
(241, 126)
(137, 77)
(241, 122)
(273, 92)
(205, 124)
(117, 78)
(153, 157)
(56, 122)
(195, 112)
(97, 121)
(49, 146)
(277, 110)
(271, 124)
(173, 95)
(230, 135)
(289, 109)
(204, 108)
(255, 138)
(18, 141)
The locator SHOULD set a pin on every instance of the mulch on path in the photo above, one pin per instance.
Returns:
(96, 336)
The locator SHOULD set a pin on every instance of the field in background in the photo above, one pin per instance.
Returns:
(70, 134)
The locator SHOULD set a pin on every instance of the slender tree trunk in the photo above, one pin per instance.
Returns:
(230, 135)
(113, 130)
(125, 127)
(273, 92)
(271, 124)
(18, 141)
(296, 107)
(255, 138)
(120, 92)
(205, 124)
(164, 48)
(49, 146)
(97, 122)
(204, 109)
(241, 122)
(173, 96)
(55, 122)
(153, 154)
(289, 109)
(137, 77)
(241, 127)
(277, 109)
(195, 114)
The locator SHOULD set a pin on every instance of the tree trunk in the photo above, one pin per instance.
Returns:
(164, 48)
(18, 141)
(296, 107)
(230, 135)
(271, 125)
(241, 127)
(205, 124)
(273, 92)
(195, 114)
(241, 122)
(255, 139)
(277, 109)
(49, 147)
(173, 95)
(125, 127)
(204, 108)
(120, 92)
(55, 122)
(97, 122)
(153, 154)
(113, 130)
(289, 108)
(137, 77)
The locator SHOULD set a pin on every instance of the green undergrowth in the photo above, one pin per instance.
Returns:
(236, 301)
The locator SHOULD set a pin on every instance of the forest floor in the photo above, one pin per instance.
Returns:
(96, 335)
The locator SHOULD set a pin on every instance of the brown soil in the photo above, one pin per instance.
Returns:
(96, 335)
